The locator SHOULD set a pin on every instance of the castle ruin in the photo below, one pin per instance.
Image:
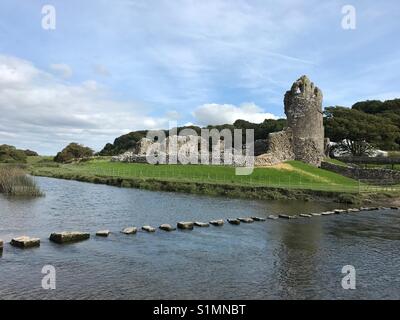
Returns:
(303, 139)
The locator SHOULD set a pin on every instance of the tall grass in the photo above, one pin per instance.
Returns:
(15, 182)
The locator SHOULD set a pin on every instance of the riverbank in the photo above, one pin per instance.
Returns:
(289, 181)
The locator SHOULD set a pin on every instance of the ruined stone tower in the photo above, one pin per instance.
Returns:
(303, 108)
(303, 139)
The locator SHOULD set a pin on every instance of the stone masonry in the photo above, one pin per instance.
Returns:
(304, 138)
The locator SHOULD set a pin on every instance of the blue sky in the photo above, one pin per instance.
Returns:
(111, 67)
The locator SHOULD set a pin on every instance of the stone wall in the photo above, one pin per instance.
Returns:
(280, 149)
(378, 176)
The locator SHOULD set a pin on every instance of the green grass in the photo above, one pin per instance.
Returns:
(337, 162)
(291, 175)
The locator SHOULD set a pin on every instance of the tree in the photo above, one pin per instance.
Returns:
(356, 131)
(72, 152)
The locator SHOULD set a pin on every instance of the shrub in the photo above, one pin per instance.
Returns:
(10, 154)
(72, 152)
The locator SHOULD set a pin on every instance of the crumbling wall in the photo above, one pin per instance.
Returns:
(280, 149)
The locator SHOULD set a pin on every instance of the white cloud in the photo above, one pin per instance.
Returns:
(62, 70)
(42, 113)
(214, 114)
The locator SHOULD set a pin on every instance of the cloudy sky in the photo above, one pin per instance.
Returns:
(111, 67)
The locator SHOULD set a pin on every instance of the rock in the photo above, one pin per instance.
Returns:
(304, 215)
(285, 216)
(103, 233)
(258, 219)
(395, 208)
(64, 237)
(316, 214)
(129, 230)
(234, 221)
(185, 225)
(217, 223)
(148, 229)
(201, 224)
(167, 227)
(339, 211)
(272, 217)
(25, 242)
(246, 220)
(327, 213)
(384, 208)
(353, 210)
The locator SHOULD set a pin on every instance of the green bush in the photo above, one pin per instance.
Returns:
(10, 154)
(72, 152)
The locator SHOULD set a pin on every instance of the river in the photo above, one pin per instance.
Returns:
(275, 259)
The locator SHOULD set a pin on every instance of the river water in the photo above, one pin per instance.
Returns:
(276, 259)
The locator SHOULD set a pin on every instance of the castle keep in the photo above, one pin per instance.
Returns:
(303, 139)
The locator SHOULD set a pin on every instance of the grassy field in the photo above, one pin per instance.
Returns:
(290, 175)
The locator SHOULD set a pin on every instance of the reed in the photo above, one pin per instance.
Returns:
(15, 182)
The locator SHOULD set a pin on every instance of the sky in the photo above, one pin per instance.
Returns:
(111, 67)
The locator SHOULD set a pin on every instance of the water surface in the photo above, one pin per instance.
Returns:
(296, 259)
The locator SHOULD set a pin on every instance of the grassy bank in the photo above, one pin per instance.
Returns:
(290, 180)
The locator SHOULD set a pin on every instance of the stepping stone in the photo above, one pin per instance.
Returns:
(272, 217)
(103, 233)
(258, 219)
(246, 220)
(316, 214)
(384, 208)
(185, 225)
(234, 221)
(25, 242)
(130, 230)
(327, 213)
(304, 215)
(1, 246)
(148, 229)
(395, 208)
(353, 210)
(284, 216)
(201, 224)
(65, 237)
(217, 223)
(167, 227)
(339, 211)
